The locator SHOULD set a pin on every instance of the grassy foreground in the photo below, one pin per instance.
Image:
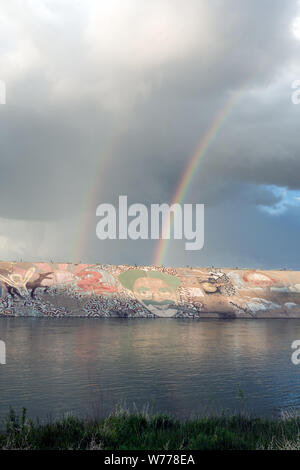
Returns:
(139, 431)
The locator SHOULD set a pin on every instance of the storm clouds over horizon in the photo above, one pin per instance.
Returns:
(109, 98)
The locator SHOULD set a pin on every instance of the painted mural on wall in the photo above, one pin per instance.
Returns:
(155, 290)
(94, 290)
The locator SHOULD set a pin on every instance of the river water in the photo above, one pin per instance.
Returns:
(185, 367)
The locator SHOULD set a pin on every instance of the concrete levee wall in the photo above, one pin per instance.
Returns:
(95, 290)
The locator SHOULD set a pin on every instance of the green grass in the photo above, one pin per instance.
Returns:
(122, 430)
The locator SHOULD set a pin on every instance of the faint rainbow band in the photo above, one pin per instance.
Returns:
(192, 167)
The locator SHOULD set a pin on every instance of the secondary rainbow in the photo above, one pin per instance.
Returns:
(91, 202)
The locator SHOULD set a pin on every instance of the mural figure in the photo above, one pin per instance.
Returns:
(38, 282)
(87, 278)
(65, 289)
(58, 274)
(17, 282)
(20, 282)
(294, 289)
(258, 279)
(155, 290)
(217, 282)
(92, 281)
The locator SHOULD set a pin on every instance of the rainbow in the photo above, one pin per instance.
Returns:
(201, 150)
(91, 202)
(109, 151)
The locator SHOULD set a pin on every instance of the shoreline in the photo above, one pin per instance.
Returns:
(123, 430)
(212, 316)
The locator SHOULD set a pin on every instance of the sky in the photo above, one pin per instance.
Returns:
(113, 98)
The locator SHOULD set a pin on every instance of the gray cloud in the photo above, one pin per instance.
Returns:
(110, 98)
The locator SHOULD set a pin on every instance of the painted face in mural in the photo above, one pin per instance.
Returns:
(155, 290)
(156, 295)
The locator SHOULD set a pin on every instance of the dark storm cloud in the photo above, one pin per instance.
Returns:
(136, 85)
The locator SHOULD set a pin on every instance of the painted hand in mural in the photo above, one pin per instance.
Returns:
(34, 284)
(18, 281)
(91, 281)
